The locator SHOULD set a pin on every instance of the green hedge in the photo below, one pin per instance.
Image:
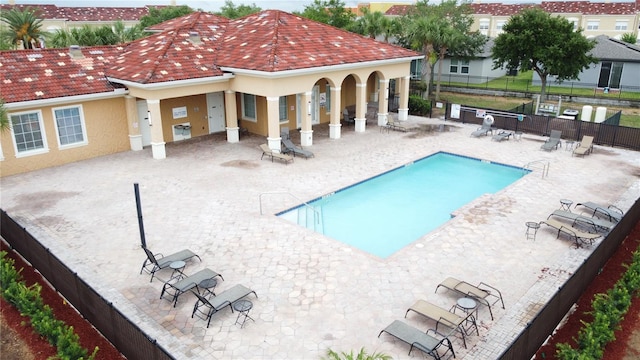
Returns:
(28, 301)
(608, 311)
(419, 106)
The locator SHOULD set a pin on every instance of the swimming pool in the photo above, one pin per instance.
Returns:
(383, 214)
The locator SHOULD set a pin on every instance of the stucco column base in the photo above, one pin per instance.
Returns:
(274, 144)
(135, 141)
(158, 150)
(403, 114)
(335, 131)
(306, 137)
(360, 124)
(382, 119)
(233, 134)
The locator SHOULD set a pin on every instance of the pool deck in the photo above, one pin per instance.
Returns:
(314, 293)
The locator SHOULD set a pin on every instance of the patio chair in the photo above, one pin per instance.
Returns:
(502, 135)
(346, 118)
(266, 150)
(486, 127)
(204, 309)
(553, 142)
(445, 318)
(394, 124)
(577, 235)
(156, 262)
(613, 213)
(585, 147)
(291, 148)
(284, 133)
(578, 219)
(185, 284)
(439, 349)
(485, 294)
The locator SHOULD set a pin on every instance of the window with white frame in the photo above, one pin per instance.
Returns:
(574, 21)
(70, 126)
(593, 24)
(249, 107)
(500, 25)
(284, 116)
(459, 65)
(28, 133)
(484, 26)
(622, 25)
(416, 69)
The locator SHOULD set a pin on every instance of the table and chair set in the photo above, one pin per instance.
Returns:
(201, 284)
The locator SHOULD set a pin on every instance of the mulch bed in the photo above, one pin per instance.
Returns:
(610, 274)
(89, 336)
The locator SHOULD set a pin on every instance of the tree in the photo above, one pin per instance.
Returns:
(24, 27)
(330, 12)
(629, 38)
(230, 11)
(156, 16)
(4, 117)
(438, 30)
(534, 40)
(371, 24)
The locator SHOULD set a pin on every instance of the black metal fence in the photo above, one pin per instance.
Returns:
(529, 86)
(122, 332)
(542, 325)
(573, 130)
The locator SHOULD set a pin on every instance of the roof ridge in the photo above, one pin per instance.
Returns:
(273, 58)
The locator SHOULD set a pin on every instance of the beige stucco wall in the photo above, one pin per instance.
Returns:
(106, 128)
(196, 115)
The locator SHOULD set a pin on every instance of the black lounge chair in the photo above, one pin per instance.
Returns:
(577, 219)
(613, 213)
(485, 128)
(185, 284)
(502, 135)
(439, 349)
(219, 302)
(578, 236)
(156, 262)
(291, 148)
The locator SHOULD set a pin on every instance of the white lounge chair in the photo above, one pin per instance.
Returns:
(266, 151)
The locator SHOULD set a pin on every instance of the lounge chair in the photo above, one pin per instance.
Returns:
(393, 124)
(218, 302)
(266, 150)
(485, 128)
(613, 213)
(577, 235)
(502, 135)
(578, 219)
(553, 142)
(284, 132)
(291, 148)
(585, 147)
(485, 294)
(439, 349)
(185, 284)
(156, 262)
(445, 318)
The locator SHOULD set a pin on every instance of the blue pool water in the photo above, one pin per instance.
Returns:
(383, 214)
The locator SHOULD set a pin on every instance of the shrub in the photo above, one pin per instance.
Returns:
(419, 106)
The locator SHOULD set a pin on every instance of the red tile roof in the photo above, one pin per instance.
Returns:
(50, 73)
(106, 14)
(268, 41)
(578, 7)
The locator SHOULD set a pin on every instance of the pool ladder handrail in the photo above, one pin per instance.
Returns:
(316, 214)
(545, 166)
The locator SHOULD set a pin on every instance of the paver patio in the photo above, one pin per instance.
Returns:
(313, 292)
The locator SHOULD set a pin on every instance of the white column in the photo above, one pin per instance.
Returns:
(335, 127)
(306, 134)
(273, 123)
(157, 136)
(383, 102)
(361, 107)
(135, 137)
(403, 107)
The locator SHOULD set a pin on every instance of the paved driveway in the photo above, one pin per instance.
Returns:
(314, 293)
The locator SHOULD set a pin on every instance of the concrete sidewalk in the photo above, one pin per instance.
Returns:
(314, 293)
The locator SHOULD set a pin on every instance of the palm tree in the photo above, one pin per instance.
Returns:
(371, 24)
(24, 27)
(62, 39)
(4, 117)
(362, 355)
